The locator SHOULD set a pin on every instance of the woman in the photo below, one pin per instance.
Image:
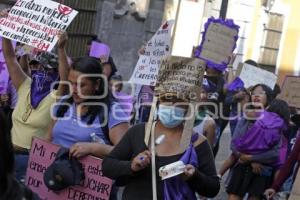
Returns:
(80, 116)
(9, 187)
(252, 173)
(129, 162)
(205, 124)
(109, 68)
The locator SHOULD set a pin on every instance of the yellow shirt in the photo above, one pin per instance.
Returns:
(29, 123)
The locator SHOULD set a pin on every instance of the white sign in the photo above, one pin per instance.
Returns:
(146, 70)
(252, 75)
(36, 22)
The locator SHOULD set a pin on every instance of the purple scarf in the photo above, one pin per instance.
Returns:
(175, 187)
(262, 136)
(41, 86)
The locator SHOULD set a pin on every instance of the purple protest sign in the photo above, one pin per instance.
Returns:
(218, 43)
(42, 154)
(100, 50)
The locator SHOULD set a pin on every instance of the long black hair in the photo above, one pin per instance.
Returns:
(269, 92)
(88, 65)
(281, 108)
(6, 156)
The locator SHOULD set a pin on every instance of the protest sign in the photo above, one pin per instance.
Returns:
(42, 154)
(218, 42)
(252, 75)
(290, 91)
(180, 75)
(36, 22)
(146, 69)
(100, 50)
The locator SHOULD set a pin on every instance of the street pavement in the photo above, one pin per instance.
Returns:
(223, 153)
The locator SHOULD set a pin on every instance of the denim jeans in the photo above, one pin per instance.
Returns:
(21, 161)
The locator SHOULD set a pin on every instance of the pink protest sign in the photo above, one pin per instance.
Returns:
(42, 154)
(100, 50)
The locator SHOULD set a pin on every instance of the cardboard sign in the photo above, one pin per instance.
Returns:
(100, 50)
(145, 72)
(36, 22)
(180, 75)
(290, 91)
(218, 42)
(42, 154)
(252, 75)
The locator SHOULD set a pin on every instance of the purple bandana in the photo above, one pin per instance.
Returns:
(41, 86)
(235, 85)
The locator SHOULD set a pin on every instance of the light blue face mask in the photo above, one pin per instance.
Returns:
(170, 116)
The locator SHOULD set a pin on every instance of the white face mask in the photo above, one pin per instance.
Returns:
(170, 116)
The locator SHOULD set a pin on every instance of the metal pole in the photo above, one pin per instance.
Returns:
(223, 10)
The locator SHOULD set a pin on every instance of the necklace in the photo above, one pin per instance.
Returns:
(28, 109)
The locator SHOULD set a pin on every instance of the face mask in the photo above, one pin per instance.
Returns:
(170, 116)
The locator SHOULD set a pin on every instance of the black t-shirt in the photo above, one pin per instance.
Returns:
(117, 165)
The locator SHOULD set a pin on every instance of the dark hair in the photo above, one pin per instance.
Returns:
(93, 38)
(276, 90)
(118, 78)
(268, 90)
(251, 62)
(113, 66)
(281, 108)
(6, 156)
(88, 65)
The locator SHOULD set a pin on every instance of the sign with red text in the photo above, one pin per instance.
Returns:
(42, 154)
(146, 69)
(36, 22)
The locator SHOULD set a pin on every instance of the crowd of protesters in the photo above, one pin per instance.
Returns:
(265, 145)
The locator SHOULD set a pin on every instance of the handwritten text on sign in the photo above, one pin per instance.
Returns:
(42, 154)
(290, 91)
(252, 75)
(218, 42)
(180, 75)
(145, 72)
(36, 22)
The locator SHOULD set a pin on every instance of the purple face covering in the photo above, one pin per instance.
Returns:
(175, 187)
(235, 85)
(41, 86)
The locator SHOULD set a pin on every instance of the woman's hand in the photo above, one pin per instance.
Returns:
(189, 171)
(256, 168)
(244, 158)
(62, 39)
(269, 193)
(141, 161)
(4, 13)
(80, 149)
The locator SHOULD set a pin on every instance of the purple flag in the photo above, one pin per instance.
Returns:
(100, 50)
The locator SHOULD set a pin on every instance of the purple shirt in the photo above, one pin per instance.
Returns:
(73, 129)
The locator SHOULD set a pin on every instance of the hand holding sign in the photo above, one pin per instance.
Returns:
(4, 13)
(62, 39)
